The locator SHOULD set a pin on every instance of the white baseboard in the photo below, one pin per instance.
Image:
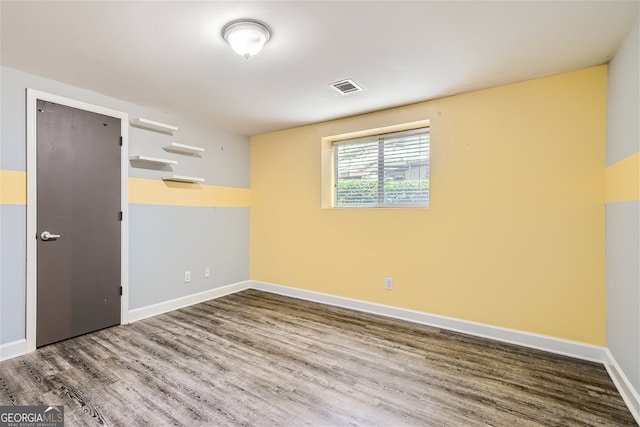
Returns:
(175, 304)
(540, 342)
(13, 349)
(627, 391)
(554, 345)
(19, 347)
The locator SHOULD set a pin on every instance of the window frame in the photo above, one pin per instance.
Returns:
(329, 164)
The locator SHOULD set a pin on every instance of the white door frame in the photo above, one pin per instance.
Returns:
(31, 298)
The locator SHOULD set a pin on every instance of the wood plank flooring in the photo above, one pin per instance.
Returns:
(258, 359)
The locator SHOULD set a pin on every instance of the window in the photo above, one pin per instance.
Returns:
(388, 170)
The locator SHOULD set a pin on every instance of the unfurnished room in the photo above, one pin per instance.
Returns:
(320, 213)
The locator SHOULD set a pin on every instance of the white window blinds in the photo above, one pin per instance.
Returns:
(390, 170)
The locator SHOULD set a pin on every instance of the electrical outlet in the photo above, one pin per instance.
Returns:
(388, 283)
(187, 276)
(207, 272)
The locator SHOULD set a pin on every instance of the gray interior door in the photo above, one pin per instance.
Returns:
(78, 222)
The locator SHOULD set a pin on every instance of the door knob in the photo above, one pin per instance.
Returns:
(46, 236)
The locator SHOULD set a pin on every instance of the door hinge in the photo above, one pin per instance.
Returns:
(120, 290)
(120, 141)
(120, 216)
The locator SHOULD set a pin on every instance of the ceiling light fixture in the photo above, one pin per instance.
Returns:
(246, 37)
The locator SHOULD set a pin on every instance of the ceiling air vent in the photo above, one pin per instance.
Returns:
(346, 86)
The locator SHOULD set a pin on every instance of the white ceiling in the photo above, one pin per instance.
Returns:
(169, 55)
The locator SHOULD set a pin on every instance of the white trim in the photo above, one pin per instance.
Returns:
(32, 97)
(31, 221)
(124, 226)
(540, 342)
(13, 349)
(626, 390)
(175, 304)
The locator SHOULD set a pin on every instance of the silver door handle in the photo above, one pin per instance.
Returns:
(46, 236)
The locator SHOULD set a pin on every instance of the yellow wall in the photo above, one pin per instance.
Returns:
(623, 180)
(514, 236)
(156, 192)
(13, 191)
(13, 187)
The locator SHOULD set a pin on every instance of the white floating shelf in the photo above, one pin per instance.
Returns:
(184, 148)
(155, 160)
(180, 178)
(151, 125)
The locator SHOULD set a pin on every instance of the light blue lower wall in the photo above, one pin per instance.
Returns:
(623, 286)
(166, 241)
(13, 220)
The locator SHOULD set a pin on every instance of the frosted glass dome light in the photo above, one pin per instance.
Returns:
(246, 37)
